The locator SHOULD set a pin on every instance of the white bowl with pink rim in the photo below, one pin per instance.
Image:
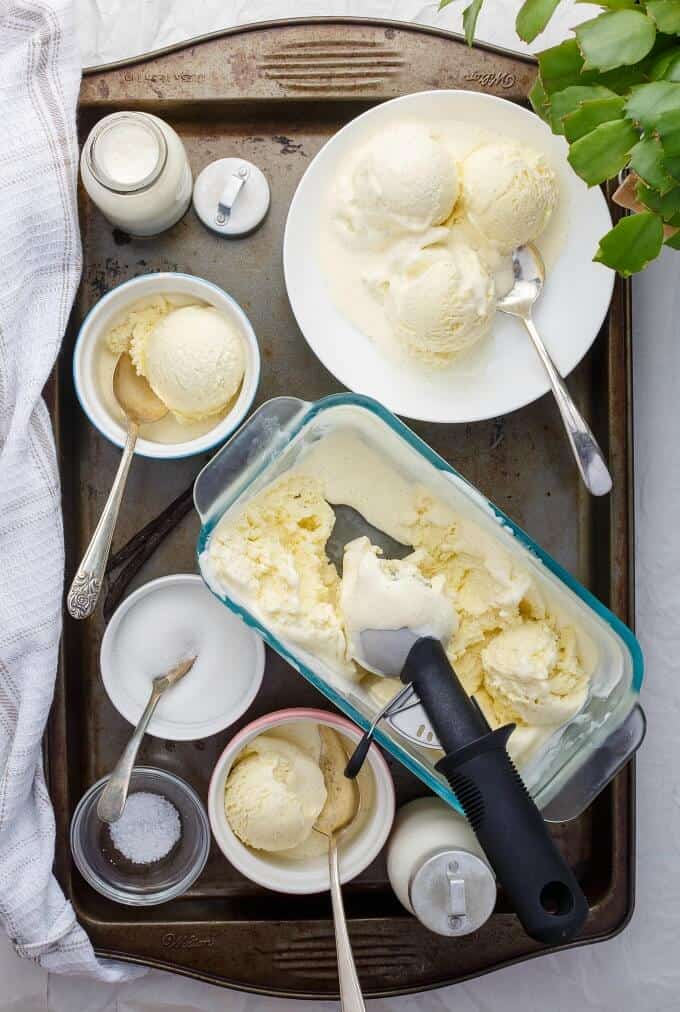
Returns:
(308, 875)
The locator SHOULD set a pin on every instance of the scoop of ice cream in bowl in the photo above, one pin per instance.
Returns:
(268, 794)
(192, 343)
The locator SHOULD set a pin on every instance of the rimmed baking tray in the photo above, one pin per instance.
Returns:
(274, 93)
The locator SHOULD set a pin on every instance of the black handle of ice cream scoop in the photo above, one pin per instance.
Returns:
(540, 885)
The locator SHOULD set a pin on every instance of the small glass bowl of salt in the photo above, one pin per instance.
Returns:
(157, 848)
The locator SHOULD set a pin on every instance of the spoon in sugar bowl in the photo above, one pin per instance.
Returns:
(114, 796)
(140, 405)
(529, 275)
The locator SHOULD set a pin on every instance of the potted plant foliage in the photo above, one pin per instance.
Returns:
(613, 92)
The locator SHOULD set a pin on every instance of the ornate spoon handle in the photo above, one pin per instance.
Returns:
(84, 593)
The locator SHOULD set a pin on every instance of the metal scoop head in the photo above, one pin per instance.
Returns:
(349, 525)
(382, 651)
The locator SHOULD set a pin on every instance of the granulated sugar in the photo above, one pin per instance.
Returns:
(147, 830)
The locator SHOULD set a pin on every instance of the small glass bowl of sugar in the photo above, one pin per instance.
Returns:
(155, 851)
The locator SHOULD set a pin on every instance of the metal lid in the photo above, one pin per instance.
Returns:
(231, 196)
(453, 892)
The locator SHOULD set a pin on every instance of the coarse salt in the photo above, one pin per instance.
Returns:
(148, 829)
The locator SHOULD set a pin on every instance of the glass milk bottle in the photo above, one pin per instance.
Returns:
(438, 870)
(135, 169)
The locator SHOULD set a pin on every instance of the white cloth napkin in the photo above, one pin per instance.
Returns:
(40, 265)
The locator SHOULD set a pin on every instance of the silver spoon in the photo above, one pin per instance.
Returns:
(343, 804)
(529, 275)
(140, 405)
(112, 799)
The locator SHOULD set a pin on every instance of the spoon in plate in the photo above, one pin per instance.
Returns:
(529, 275)
(139, 404)
(343, 804)
(114, 796)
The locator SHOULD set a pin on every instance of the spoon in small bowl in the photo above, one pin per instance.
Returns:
(114, 796)
(343, 804)
(529, 275)
(140, 404)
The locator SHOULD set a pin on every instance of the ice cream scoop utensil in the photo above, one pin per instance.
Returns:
(529, 276)
(350, 524)
(340, 811)
(112, 800)
(395, 705)
(139, 404)
(542, 888)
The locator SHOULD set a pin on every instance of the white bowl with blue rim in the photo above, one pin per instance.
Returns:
(111, 310)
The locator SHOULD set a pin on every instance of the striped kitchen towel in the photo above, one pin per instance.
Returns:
(39, 269)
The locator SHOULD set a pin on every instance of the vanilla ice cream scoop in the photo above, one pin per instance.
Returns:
(391, 594)
(441, 304)
(404, 181)
(508, 193)
(193, 359)
(522, 672)
(274, 794)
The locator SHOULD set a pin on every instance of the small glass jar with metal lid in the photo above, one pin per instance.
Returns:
(438, 870)
(135, 169)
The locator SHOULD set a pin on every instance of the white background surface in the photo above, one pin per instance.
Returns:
(639, 971)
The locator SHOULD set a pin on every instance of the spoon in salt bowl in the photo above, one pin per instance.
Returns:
(139, 404)
(112, 799)
(343, 804)
(529, 275)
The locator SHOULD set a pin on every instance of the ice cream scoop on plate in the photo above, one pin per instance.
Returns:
(403, 182)
(441, 304)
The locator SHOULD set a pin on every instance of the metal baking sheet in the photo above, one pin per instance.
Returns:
(274, 94)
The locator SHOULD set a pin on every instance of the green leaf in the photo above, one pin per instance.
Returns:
(568, 100)
(666, 14)
(648, 101)
(615, 39)
(667, 206)
(632, 243)
(647, 159)
(673, 241)
(560, 66)
(539, 99)
(590, 114)
(443, 4)
(668, 129)
(603, 152)
(470, 15)
(673, 168)
(666, 67)
(533, 16)
(612, 5)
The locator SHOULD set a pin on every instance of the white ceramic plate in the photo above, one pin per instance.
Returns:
(154, 628)
(503, 375)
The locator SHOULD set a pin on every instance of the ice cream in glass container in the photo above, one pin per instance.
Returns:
(525, 639)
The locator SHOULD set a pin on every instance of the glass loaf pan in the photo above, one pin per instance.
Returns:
(577, 761)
